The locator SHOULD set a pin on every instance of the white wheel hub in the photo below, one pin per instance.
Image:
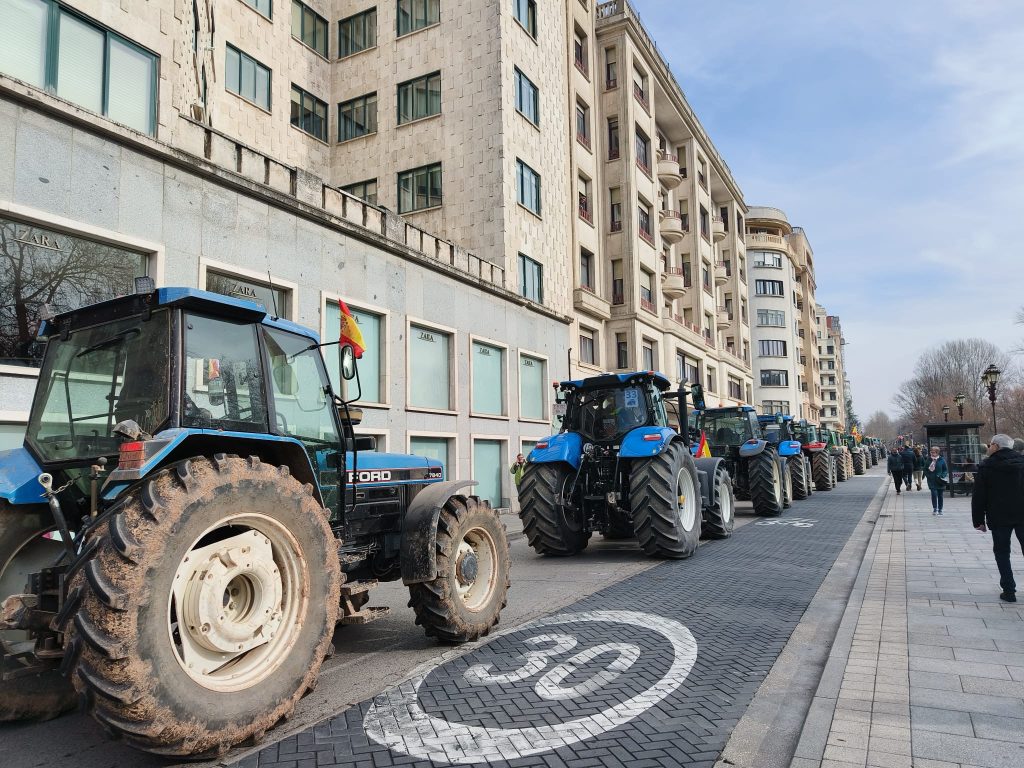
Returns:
(686, 499)
(476, 567)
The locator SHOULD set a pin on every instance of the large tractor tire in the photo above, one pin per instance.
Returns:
(858, 463)
(799, 480)
(765, 483)
(808, 474)
(666, 503)
(821, 471)
(841, 468)
(787, 486)
(24, 550)
(473, 564)
(208, 607)
(720, 515)
(549, 530)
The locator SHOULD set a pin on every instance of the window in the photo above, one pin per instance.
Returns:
(247, 77)
(584, 205)
(49, 47)
(417, 14)
(274, 299)
(684, 263)
(579, 51)
(527, 187)
(735, 389)
(617, 284)
(588, 346)
(769, 407)
(429, 368)
(586, 269)
(774, 378)
(680, 366)
(66, 271)
(488, 379)
(309, 28)
(488, 471)
(532, 388)
(647, 356)
(621, 351)
(583, 124)
(309, 114)
(711, 380)
(436, 448)
(702, 173)
(611, 68)
(767, 259)
(419, 98)
(831, 349)
(646, 286)
(527, 98)
(643, 151)
(705, 229)
(526, 14)
(263, 6)
(357, 117)
(531, 278)
(772, 317)
(644, 214)
(419, 188)
(692, 371)
(372, 365)
(640, 87)
(771, 348)
(705, 276)
(357, 33)
(768, 287)
(364, 190)
(613, 138)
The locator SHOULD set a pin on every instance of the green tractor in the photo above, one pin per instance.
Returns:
(837, 448)
(815, 448)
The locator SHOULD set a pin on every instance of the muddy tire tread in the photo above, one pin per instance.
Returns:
(545, 534)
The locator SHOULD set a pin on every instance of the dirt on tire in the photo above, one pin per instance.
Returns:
(653, 499)
(548, 531)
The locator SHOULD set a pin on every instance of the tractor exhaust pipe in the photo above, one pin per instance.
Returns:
(46, 480)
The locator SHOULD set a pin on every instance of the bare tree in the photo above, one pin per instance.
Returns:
(1010, 407)
(881, 426)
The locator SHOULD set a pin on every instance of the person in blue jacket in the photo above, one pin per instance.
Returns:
(936, 472)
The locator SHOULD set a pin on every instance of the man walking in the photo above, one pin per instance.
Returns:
(894, 466)
(909, 459)
(998, 502)
(517, 469)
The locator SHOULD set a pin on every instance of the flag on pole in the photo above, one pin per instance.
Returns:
(350, 333)
(703, 452)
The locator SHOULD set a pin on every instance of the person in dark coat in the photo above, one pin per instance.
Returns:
(998, 502)
(936, 472)
(894, 466)
(909, 459)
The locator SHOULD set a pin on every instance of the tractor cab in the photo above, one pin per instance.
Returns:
(806, 432)
(727, 429)
(776, 428)
(604, 409)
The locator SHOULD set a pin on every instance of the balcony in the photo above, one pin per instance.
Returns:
(672, 230)
(641, 96)
(585, 300)
(583, 139)
(760, 238)
(669, 173)
(721, 274)
(718, 231)
(646, 236)
(673, 284)
(649, 306)
(585, 212)
(724, 318)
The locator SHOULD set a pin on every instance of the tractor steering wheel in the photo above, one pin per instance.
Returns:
(282, 423)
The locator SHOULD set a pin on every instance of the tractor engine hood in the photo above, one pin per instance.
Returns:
(19, 473)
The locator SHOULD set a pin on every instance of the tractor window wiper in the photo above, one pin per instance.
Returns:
(108, 342)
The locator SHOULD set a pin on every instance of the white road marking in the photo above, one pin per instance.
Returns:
(796, 522)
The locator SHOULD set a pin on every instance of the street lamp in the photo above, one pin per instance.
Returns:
(945, 413)
(990, 378)
(960, 399)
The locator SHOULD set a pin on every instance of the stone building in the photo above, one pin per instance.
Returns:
(834, 385)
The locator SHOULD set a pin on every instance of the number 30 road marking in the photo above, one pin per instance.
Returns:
(396, 719)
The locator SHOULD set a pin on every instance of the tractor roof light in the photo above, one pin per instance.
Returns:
(652, 438)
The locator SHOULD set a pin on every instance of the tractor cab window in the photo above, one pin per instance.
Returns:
(223, 376)
(660, 414)
(772, 432)
(727, 427)
(608, 414)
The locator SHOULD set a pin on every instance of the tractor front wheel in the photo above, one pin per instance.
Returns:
(841, 468)
(208, 608)
(465, 599)
(25, 549)
(720, 517)
(765, 483)
(821, 470)
(858, 463)
(551, 527)
(666, 503)
(799, 480)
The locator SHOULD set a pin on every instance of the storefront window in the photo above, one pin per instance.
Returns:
(276, 301)
(39, 266)
(487, 470)
(488, 379)
(429, 374)
(531, 388)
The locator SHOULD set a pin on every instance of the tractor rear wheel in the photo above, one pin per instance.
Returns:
(666, 503)
(208, 607)
(765, 483)
(841, 467)
(24, 549)
(858, 463)
(808, 475)
(787, 485)
(798, 479)
(465, 600)
(821, 470)
(720, 516)
(550, 528)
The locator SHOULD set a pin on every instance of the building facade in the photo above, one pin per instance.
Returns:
(834, 385)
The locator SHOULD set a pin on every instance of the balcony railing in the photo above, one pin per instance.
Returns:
(583, 139)
(587, 288)
(618, 298)
(646, 236)
(645, 167)
(641, 96)
(584, 209)
(613, 152)
(611, 83)
(649, 306)
(616, 226)
(581, 65)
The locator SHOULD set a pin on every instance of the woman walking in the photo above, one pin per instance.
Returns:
(937, 475)
(894, 466)
(919, 464)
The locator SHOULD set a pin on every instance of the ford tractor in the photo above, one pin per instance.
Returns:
(800, 480)
(758, 466)
(617, 467)
(192, 514)
(815, 448)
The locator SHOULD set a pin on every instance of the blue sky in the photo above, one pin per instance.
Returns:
(893, 132)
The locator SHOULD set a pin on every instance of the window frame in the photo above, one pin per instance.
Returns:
(327, 297)
(271, 281)
(341, 122)
(529, 26)
(452, 439)
(595, 347)
(412, 84)
(522, 83)
(761, 346)
(780, 284)
(411, 173)
(362, 15)
(252, 4)
(412, 29)
(316, 17)
(347, 190)
(503, 463)
(776, 377)
(453, 377)
(545, 404)
(523, 260)
(505, 377)
(228, 47)
(303, 93)
(522, 169)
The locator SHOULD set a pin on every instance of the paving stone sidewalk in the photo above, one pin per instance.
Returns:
(927, 670)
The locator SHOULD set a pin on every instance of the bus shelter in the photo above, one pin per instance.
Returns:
(960, 443)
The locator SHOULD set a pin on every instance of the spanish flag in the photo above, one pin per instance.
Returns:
(703, 452)
(350, 333)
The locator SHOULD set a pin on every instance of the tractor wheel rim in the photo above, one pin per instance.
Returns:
(725, 504)
(35, 552)
(686, 499)
(776, 481)
(476, 568)
(237, 605)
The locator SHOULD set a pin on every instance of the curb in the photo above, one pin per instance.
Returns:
(785, 714)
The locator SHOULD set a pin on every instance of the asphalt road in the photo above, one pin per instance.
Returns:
(371, 658)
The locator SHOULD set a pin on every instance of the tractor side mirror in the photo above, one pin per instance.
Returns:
(215, 391)
(348, 363)
(697, 395)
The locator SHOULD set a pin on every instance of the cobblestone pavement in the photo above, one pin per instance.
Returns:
(655, 670)
(927, 670)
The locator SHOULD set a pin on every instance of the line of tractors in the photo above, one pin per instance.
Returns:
(192, 514)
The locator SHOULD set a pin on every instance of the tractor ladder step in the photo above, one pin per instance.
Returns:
(353, 603)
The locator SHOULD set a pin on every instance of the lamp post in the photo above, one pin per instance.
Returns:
(945, 413)
(959, 400)
(990, 378)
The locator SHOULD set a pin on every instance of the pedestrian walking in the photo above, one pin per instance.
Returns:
(936, 473)
(907, 455)
(998, 503)
(517, 469)
(894, 466)
(919, 465)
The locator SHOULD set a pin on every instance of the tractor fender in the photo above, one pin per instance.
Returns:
(565, 446)
(706, 470)
(419, 530)
(644, 442)
(19, 473)
(752, 448)
(789, 448)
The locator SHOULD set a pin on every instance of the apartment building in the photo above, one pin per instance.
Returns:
(198, 144)
(834, 386)
(782, 305)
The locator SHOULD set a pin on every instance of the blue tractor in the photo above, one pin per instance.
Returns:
(192, 514)
(780, 432)
(617, 467)
(758, 466)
